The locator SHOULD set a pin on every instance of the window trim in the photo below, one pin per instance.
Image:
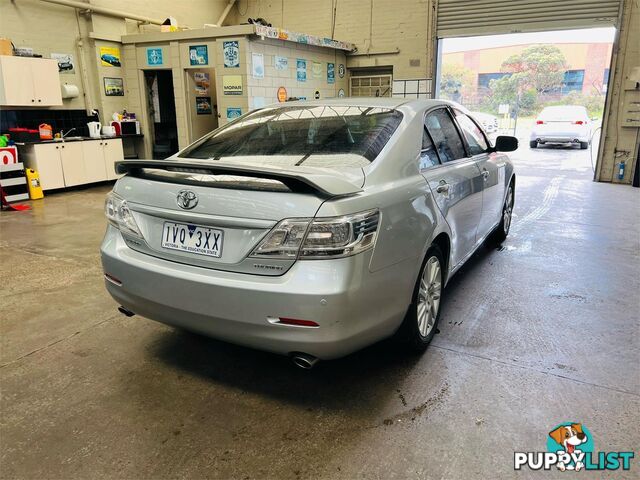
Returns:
(466, 142)
(446, 108)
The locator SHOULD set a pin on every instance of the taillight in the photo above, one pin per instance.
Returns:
(320, 237)
(578, 122)
(539, 122)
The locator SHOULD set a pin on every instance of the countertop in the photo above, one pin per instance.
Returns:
(76, 139)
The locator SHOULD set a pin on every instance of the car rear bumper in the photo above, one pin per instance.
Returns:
(560, 137)
(352, 306)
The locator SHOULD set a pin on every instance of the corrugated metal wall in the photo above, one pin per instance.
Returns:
(458, 18)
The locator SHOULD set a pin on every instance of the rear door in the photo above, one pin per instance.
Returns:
(456, 183)
(492, 169)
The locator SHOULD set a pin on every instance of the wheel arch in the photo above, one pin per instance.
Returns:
(443, 242)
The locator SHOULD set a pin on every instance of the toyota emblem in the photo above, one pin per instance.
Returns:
(187, 199)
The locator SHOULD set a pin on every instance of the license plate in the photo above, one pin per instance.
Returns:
(192, 239)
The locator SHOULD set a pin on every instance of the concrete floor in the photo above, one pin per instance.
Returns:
(542, 331)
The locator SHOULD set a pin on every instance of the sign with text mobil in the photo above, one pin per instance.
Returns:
(232, 84)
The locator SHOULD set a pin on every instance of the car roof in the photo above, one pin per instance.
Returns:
(385, 102)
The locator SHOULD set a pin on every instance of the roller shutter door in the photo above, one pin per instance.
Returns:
(461, 18)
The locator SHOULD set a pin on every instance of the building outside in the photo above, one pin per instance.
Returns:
(587, 73)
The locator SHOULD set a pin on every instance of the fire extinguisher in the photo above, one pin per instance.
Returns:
(621, 171)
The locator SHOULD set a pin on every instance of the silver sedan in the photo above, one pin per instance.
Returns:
(309, 229)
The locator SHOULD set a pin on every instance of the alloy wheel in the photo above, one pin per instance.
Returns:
(508, 210)
(429, 296)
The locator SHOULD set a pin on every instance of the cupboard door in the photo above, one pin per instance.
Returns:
(72, 164)
(94, 165)
(17, 86)
(46, 81)
(112, 153)
(49, 166)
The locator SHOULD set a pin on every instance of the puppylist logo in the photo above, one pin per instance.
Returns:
(570, 447)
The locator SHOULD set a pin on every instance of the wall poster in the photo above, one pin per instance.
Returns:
(110, 57)
(202, 82)
(257, 64)
(203, 105)
(113, 87)
(301, 70)
(232, 84)
(231, 54)
(65, 62)
(280, 63)
(198, 55)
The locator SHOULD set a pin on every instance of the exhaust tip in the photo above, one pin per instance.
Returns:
(304, 360)
(125, 312)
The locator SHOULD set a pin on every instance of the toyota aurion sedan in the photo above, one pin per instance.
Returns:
(309, 229)
(562, 124)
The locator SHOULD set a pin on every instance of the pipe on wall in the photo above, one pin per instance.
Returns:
(105, 11)
(223, 15)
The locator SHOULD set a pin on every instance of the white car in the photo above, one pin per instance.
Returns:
(489, 122)
(562, 124)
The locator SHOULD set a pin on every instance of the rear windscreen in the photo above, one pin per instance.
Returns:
(303, 131)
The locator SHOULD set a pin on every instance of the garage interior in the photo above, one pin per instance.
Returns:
(540, 331)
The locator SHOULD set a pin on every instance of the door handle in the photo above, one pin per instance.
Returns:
(485, 174)
(443, 187)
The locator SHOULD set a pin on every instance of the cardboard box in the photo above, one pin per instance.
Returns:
(5, 47)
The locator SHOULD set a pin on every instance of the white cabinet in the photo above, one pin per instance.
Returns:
(93, 157)
(113, 153)
(66, 164)
(72, 162)
(33, 82)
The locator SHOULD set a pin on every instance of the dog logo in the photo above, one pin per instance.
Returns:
(570, 437)
(187, 199)
(570, 447)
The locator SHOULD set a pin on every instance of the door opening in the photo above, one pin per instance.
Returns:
(162, 112)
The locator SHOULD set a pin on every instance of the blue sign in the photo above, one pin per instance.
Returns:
(331, 73)
(233, 112)
(198, 55)
(154, 56)
(231, 54)
(301, 70)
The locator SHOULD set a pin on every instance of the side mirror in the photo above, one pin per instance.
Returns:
(506, 143)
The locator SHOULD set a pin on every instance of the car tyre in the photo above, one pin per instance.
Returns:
(584, 145)
(421, 321)
(533, 144)
(501, 232)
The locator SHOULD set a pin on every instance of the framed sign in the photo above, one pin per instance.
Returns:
(154, 56)
(203, 105)
(301, 70)
(232, 84)
(113, 87)
(280, 63)
(331, 73)
(110, 57)
(231, 54)
(233, 112)
(282, 94)
(198, 55)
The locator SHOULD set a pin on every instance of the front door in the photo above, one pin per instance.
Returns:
(456, 184)
(492, 169)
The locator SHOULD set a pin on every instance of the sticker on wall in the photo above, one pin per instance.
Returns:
(203, 105)
(280, 63)
(202, 83)
(232, 84)
(257, 65)
(231, 54)
(198, 55)
(110, 57)
(331, 73)
(301, 70)
(317, 95)
(65, 62)
(113, 87)
(341, 70)
(154, 56)
(316, 70)
(282, 94)
(233, 112)
(341, 93)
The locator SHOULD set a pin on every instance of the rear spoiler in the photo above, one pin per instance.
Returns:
(325, 184)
